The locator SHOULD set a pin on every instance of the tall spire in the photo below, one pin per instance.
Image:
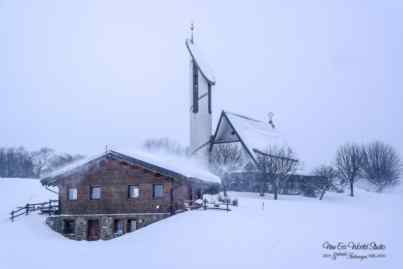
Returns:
(192, 27)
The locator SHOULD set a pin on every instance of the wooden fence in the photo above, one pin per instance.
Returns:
(220, 205)
(50, 207)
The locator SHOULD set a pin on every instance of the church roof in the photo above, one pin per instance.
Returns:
(197, 56)
(165, 164)
(255, 135)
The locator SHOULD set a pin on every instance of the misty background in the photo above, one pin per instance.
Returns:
(77, 75)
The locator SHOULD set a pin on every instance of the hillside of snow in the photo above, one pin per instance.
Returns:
(260, 233)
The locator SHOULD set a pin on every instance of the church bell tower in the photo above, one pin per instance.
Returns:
(201, 85)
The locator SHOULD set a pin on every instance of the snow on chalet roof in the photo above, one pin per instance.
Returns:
(255, 134)
(197, 56)
(186, 166)
(166, 164)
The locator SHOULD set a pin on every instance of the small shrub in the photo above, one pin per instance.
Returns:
(213, 189)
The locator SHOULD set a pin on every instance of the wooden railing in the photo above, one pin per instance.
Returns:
(50, 207)
(220, 205)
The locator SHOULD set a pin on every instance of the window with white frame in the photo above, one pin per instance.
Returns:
(95, 193)
(133, 191)
(158, 191)
(72, 194)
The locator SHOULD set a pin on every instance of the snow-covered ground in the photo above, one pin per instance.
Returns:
(288, 233)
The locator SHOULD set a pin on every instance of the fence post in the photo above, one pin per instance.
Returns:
(12, 216)
(227, 204)
(26, 209)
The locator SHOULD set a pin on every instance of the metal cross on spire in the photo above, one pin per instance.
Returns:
(271, 115)
(192, 27)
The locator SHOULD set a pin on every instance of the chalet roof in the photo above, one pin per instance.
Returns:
(164, 164)
(255, 135)
(197, 56)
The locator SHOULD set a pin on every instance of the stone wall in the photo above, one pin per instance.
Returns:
(106, 227)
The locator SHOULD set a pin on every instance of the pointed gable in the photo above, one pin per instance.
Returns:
(225, 132)
(254, 135)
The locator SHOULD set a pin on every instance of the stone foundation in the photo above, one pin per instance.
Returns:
(106, 224)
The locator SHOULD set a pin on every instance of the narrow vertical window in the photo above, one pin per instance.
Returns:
(209, 98)
(95, 193)
(195, 88)
(131, 225)
(118, 227)
(72, 194)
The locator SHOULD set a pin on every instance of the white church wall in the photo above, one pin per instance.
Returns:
(201, 122)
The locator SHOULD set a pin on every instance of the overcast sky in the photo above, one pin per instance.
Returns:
(76, 75)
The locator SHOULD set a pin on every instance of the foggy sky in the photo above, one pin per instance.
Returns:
(77, 75)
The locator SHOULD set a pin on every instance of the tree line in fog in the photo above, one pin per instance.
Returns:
(19, 162)
(377, 162)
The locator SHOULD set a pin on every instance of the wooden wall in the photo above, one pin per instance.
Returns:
(114, 177)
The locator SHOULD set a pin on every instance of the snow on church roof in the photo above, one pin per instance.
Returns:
(255, 134)
(163, 163)
(197, 56)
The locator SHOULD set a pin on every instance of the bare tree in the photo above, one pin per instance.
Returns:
(42, 159)
(381, 164)
(349, 159)
(328, 174)
(275, 164)
(225, 158)
(46, 160)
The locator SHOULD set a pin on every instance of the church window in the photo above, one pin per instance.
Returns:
(209, 98)
(195, 88)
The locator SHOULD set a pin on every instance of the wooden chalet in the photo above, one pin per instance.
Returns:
(114, 193)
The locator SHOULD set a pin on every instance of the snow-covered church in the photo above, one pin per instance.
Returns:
(253, 135)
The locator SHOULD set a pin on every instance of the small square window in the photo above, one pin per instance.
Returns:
(95, 193)
(158, 191)
(72, 194)
(134, 191)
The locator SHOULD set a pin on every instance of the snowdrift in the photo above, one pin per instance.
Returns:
(260, 233)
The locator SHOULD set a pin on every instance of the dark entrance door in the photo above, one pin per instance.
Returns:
(93, 230)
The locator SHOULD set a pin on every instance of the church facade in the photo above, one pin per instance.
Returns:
(253, 135)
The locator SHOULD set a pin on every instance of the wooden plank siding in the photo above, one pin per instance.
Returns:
(114, 177)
